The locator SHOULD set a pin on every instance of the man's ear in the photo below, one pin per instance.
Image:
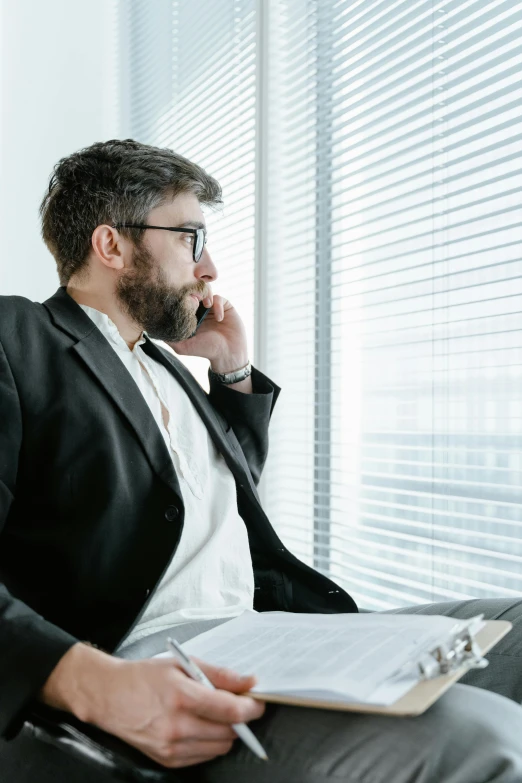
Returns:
(109, 246)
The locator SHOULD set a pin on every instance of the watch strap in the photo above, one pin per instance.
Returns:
(232, 377)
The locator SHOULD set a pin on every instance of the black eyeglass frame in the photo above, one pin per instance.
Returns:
(198, 233)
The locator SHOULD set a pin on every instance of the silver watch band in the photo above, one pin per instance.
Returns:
(232, 377)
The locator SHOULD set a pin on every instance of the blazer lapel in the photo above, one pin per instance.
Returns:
(94, 350)
(199, 398)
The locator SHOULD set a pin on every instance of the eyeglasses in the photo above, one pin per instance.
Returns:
(200, 236)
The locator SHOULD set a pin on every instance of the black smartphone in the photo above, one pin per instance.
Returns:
(201, 313)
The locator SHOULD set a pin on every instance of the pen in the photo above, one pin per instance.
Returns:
(190, 668)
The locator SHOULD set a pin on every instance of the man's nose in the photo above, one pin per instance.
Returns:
(205, 268)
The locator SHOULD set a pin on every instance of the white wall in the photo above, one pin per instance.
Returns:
(58, 93)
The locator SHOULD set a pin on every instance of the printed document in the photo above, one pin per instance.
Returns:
(368, 658)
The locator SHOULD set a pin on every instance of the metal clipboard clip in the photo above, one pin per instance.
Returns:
(461, 650)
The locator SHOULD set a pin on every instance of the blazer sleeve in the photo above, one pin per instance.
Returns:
(248, 415)
(30, 647)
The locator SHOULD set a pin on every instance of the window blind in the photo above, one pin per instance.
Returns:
(370, 154)
(192, 88)
(395, 283)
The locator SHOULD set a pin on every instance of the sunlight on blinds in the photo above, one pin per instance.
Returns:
(396, 169)
(290, 322)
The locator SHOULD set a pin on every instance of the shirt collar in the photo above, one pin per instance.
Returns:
(109, 329)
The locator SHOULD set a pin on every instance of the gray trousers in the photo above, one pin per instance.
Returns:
(472, 734)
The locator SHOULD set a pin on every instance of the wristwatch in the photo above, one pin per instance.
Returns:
(232, 377)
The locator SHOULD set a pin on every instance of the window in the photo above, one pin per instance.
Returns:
(373, 151)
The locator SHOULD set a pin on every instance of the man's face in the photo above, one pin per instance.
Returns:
(155, 289)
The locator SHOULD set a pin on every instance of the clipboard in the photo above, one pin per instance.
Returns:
(419, 698)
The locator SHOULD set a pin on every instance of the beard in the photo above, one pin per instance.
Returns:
(159, 308)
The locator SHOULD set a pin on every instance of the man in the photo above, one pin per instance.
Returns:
(128, 506)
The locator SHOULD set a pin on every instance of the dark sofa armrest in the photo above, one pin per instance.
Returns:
(94, 746)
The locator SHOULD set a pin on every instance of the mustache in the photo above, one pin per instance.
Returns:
(200, 288)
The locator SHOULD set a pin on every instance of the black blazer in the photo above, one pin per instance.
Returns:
(90, 506)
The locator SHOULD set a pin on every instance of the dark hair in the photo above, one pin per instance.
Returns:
(117, 181)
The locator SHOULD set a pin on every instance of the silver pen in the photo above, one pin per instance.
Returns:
(190, 668)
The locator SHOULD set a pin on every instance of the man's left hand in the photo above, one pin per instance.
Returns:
(221, 338)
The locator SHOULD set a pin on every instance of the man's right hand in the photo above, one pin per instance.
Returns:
(152, 704)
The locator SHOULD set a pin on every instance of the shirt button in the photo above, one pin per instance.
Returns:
(171, 513)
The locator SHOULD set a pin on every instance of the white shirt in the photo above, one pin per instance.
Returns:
(211, 574)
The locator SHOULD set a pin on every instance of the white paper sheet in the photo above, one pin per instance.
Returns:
(349, 657)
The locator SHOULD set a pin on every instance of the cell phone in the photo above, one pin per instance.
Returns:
(201, 313)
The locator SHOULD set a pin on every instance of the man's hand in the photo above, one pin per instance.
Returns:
(221, 338)
(153, 705)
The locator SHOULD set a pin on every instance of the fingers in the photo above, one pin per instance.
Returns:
(191, 728)
(219, 706)
(189, 753)
(226, 679)
(218, 304)
(192, 740)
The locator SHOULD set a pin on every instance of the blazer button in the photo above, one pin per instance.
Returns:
(171, 513)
